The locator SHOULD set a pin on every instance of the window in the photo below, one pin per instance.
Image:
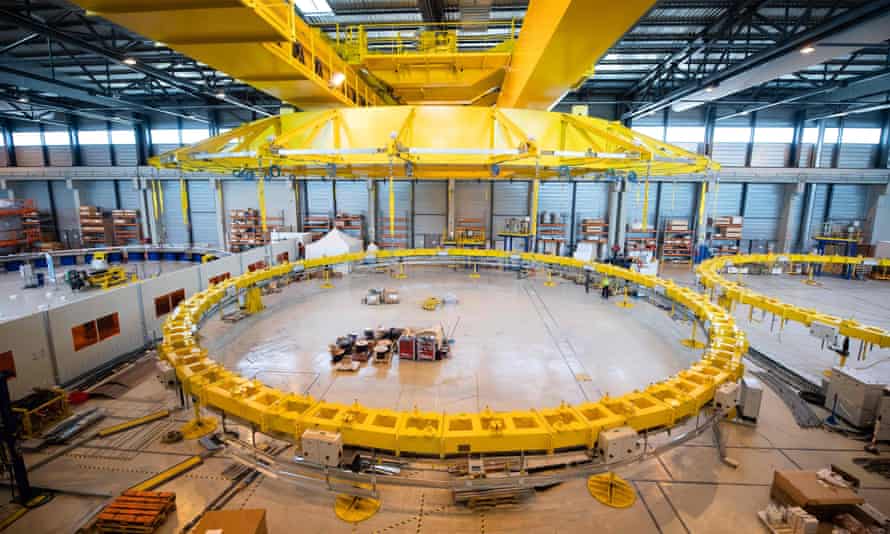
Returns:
(830, 135)
(862, 136)
(219, 278)
(26, 139)
(737, 134)
(92, 137)
(7, 364)
(56, 138)
(773, 135)
(123, 137)
(167, 303)
(284, 257)
(108, 326)
(165, 137)
(686, 134)
(811, 135)
(656, 132)
(194, 135)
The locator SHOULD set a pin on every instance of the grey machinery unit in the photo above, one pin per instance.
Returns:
(854, 395)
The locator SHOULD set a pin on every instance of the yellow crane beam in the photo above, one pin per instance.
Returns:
(559, 43)
(261, 42)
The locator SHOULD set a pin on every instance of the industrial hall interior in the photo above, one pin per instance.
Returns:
(424, 266)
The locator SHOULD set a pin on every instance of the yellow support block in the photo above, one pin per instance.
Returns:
(169, 474)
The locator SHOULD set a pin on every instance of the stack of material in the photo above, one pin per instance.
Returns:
(728, 227)
(678, 225)
(677, 246)
(126, 228)
(594, 230)
(488, 498)
(136, 511)
(377, 296)
(245, 230)
(95, 230)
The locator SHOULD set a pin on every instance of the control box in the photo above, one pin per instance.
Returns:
(165, 374)
(322, 447)
(618, 444)
(727, 396)
(750, 396)
(407, 347)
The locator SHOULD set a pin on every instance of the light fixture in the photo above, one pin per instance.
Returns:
(221, 95)
(808, 49)
(130, 61)
(746, 112)
(159, 44)
(337, 79)
(23, 99)
(710, 89)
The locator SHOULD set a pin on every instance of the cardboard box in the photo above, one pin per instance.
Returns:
(805, 489)
(233, 522)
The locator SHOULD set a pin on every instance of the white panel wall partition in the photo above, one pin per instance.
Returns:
(67, 218)
(73, 362)
(430, 212)
(280, 247)
(26, 339)
(157, 288)
(254, 255)
(281, 203)
(226, 264)
(511, 200)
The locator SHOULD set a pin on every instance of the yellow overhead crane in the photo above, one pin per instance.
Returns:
(265, 43)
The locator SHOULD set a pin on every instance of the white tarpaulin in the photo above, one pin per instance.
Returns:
(334, 243)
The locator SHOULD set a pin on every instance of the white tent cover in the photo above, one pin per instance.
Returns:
(334, 243)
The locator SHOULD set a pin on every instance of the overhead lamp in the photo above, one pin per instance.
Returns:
(23, 99)
(746, 112)
(314, 7)
(221, 95)
(808, 49)
(130, 61)
(337, 79)
(710, 88)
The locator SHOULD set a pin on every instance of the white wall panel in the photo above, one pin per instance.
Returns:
(763, 207)
(175, 230)
(725, 199)
(125, 302)
(352, 197)
(827, 155)
(96, 155)
(26, 338)
(770, 154)
(187, 279)
(67, 218)
(320, 197)
(820, 197)
(856, 156)
(226, 264)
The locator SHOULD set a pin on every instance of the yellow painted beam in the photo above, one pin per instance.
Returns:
(169, 474)
(108, 431)
(559, 42)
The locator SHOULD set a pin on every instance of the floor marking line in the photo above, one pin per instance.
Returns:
(674, 508)
(646, 505)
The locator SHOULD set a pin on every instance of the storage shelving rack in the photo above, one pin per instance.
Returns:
(125, 227)
(95, 228)
(353, 225)
(638, 240)
(398, 238)
(245, 230)
(593, 230)
(553, 234)
(677, 244)
(32, 224)
(317, 225)
(726, 236)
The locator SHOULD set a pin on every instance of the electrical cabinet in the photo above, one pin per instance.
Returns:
(322, 447)
(618, 444)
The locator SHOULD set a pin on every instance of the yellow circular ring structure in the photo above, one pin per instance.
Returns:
(434, 142)
(659, 406)
(733, 292)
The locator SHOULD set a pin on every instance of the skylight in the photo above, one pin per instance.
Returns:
(314, 7)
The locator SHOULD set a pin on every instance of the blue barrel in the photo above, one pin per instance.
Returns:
(171, 256)
(154, 256)
(136, 256)
(115, 257)
(40, 263)
(69, 260)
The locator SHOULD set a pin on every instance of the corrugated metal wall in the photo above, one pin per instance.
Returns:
(763, 207)
(175, 230)
(556, 197)
(677, 201)
(769, 154)
(430, 212)
(29, 156)
(281, 203)
(636, 199)
(511, 200)
(352, 198)
(820, 197)
(202, 208)
(827, 155)
(320, 198)
(402, 201)
(856, 156)
(96, 155)
(37, 190)
(795, 213)
(730, 154)
(67, 218)
(129, 195)
(59, 156)
(848, 203)
(471, 202)
(726, 199)
(806, 153)
(592, 200)
(97, 193)
(126, 155)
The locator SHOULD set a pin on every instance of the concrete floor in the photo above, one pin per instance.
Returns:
(17, 302)
(518, 344)
(565, 334)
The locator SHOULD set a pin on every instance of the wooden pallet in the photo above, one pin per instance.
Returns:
(137, 512)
